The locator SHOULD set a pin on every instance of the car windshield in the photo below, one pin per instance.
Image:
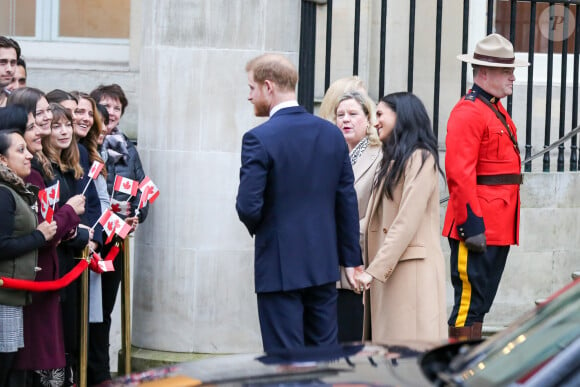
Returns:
(524, 347)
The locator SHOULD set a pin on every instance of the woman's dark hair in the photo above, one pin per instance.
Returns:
(26, 96)
(14, 117)
(5, 140)
(104, 113)
(111, 91)
(58, 95)
(412, 131)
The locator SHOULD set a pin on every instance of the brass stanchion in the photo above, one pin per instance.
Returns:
(84, 323)
(126, 309)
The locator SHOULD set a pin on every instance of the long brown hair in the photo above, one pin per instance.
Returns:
(69, 158)
(90, 140)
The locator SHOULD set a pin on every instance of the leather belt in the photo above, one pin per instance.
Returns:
(509, 178)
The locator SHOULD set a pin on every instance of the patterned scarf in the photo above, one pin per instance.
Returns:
(115, 147)
(358, 150)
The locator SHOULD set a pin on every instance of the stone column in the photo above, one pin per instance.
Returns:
(193, 272)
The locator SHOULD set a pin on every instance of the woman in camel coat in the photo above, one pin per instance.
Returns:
(405, 272)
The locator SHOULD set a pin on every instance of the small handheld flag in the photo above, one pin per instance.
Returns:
(93, 173)
(45, 208)
(112, 225)
(126, 185)
(149, 190)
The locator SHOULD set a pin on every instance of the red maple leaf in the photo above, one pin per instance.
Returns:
(116, 207)
(52, 193)
(43, 207)
(117, 224)
(110, 226)
(93, 169)
(127, 185)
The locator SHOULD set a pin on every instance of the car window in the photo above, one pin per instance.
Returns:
(525, 347)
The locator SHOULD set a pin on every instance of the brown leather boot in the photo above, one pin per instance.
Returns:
(476, 331)
(460, 333)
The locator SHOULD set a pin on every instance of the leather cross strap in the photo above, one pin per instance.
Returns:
(501, 118)
(508, 178)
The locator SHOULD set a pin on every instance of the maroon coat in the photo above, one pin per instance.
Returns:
(43, 332)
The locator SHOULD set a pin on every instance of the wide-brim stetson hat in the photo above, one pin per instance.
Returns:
(493, 51)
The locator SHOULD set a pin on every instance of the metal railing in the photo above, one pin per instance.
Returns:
(307, 65)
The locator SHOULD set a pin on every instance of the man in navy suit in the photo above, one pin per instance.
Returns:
(296, 195)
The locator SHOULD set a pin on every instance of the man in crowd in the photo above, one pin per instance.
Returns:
(296, 195)
(483, 165)
(9, 54)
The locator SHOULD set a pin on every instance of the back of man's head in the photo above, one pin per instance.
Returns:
(275, 68)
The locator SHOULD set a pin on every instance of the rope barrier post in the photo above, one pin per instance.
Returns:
(126, 309)
(84, 323)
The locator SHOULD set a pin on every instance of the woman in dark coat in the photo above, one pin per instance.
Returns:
(42, 359)
(20, 238)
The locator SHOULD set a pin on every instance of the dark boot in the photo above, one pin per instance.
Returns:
(460, 333)
(476, 331)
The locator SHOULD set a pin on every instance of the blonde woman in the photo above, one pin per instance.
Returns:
(354, 115)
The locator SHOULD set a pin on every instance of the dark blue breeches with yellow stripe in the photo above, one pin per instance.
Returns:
(475, 278)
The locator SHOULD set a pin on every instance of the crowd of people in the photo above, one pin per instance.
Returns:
(344, 209)
(347, 227)
(48, 143)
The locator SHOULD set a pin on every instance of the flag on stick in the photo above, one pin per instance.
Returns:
(112, 225)
(53, 193)
(45, 209)
(93, 173)
(153, 193)
(125, 185)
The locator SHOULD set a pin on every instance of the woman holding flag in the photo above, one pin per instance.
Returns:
(124, 172)
(20, 238)
(43, 355)
(61, 149)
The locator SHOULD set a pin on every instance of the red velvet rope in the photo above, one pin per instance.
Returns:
(45, 286)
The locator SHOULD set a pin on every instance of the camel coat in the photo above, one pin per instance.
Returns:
(403, 252)
(364, 176)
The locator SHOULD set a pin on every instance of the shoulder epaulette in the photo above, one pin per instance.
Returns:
(471, 96)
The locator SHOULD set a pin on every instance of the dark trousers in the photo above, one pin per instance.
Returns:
(6, 361)
(475, 278)
(298, 318)
(350, 316)
(70, 311)
(98, 369)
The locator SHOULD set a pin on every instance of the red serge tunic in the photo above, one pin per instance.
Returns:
(479, 144)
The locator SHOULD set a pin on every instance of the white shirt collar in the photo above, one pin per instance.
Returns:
(283, 105)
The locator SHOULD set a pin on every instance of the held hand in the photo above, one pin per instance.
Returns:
(364, 279)
(132, 221)
(47, 229)
(77, 202)
(476, 243)
(93, 245)
(91, 231)
(350, 274)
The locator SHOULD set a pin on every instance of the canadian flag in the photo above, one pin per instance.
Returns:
(53, 193)
(125, 185)
(112, 225)
(45, 209)
(149, 190)
(95, 169)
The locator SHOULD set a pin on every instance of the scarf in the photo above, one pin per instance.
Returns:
(358, 150)
(115, 147)
(27, 191)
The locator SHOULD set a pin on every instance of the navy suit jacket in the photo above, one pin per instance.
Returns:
(297, 197)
